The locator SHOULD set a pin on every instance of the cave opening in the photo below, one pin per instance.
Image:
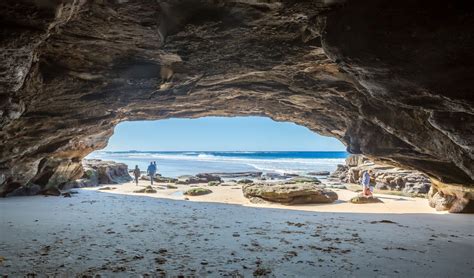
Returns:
(222, 144)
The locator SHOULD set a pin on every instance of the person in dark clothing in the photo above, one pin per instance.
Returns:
(136, 174)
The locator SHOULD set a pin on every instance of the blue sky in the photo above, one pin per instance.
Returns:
(219, 134)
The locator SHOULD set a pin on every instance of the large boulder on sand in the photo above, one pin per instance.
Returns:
(198, 191)
(288, 194)
(460, 202)
(147, 189)
(108, 172)
(98, 172)
(361, 199)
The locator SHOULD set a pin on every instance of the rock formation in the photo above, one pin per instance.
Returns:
(386, 177)
(390, 79)
(98, 172)
(361, 199)
(288, 194)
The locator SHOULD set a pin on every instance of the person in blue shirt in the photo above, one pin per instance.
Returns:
(151, 171)
(367, 189)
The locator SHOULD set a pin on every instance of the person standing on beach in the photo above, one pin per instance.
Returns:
(365, 184)
(151, 171)
(371, 182)
(136, 174)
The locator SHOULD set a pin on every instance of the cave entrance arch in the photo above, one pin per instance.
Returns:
(74, 70)
(222, 144)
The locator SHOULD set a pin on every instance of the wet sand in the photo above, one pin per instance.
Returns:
(120, 235)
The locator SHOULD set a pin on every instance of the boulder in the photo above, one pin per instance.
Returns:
(53, 191)
(213, 183)
(245, 181)
(416, 188)
(98, 172)
(188, 179)
(147, 189)
(360, 199)
(164, 179)
(208, 177)
(288, 194)
(198, 191)
(381, 186)
(340, 172)
(439, 201)
(28, 190)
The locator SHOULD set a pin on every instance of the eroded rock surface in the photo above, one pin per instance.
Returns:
(98, 172)
(289, 194)
(382, 76)
(361, 199)
(386, 177)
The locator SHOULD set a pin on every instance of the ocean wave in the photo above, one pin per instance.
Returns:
(210, 160)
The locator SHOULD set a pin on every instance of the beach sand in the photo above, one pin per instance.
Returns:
(233, 195)
(121, 234)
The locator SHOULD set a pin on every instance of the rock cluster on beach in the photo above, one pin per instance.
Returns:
(410, 182)
(386, 177)
(98, 172)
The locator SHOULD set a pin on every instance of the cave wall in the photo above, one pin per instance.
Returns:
(382, 76)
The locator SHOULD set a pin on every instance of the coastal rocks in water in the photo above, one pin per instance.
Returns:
(312, 180)
(288, 194)
(147, 189)
(164, 179)
(278, 176)
(319, 173)
(245, 181)
(208, 177)
(198, 191)
(239, 175)
(199, 178)
(361, 199)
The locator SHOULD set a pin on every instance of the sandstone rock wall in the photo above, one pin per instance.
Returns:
(98, 172)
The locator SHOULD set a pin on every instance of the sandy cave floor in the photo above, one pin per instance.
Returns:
(125, 234)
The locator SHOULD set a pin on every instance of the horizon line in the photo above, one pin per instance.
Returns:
(221, 151)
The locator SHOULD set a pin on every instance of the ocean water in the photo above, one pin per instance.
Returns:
(173, 164)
